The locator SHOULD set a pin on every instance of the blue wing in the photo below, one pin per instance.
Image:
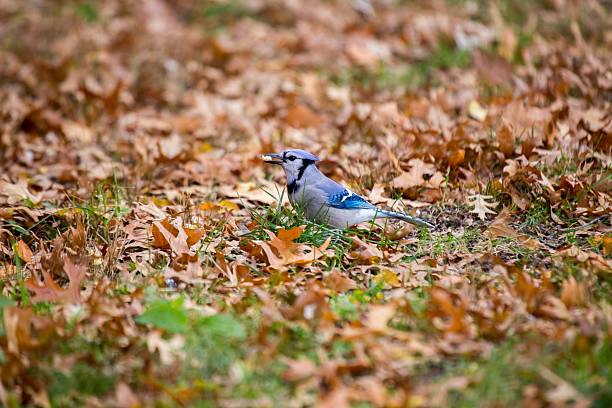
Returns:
(347, 200)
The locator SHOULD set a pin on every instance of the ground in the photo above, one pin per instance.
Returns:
(148, 257)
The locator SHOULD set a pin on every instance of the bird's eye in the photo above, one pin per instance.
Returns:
(291, 158)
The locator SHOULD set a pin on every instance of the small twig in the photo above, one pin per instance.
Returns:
(588, 224)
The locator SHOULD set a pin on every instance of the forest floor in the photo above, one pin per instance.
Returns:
(148, 257)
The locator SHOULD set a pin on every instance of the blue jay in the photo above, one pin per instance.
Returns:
(324, 200)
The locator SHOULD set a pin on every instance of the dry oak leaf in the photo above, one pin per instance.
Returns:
(506, 139)
(298, 370)
(443, 304)
(24, 251)
(420, 174)
(48, 290)
(499, 228)
(167, 236)
(339, 282)
(365, 252)
(18, 192)
(476, 111)
(25, 330)
(301, 116)
(573, 293)
(481, 206)
(607, 245)
(282, 251)
(379, 316)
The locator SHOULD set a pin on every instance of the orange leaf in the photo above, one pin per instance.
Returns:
(379, 316)
(607, 245)
(339, 282)
(167, 236)
(456, 158)
(298, 370)
(282, 251)
(301, 116)
(159, 239)
(506, 139)
(48, 290)
(573, 293)
(194, 235)
(366, 252)
(444, 305)
(24, 251)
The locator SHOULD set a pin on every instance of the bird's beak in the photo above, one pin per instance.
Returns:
(273, 158)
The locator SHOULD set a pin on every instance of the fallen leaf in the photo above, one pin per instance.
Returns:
(365, 252)
(420, 174)
(476, 111)
(442, 304)
(607, 245)
(282, 251)
(573, 293)
(167, 236)
(388, 277)
(24, 251)
(499, 228)
(506, 139)
(379, 316)
(298, 370)
(339, 282)
(48, 290)
(125, 397)
(18, 192)
(507, 44)
(301, 116)
(482, 207)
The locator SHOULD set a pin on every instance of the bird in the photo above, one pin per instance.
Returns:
(324, 200)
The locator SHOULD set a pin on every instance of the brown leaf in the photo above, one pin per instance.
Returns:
(48, 290)
(573, 294)
(506, 139)
(282, 251)
(24, 251)
(125, 396)
(499, 228)
(339, 282)
(337, 398)
(159, 240)
(607, 245)
(298, 370)
(482, 207)
(365, 252)
(18, 192)
(167, 236)
(301, 116)
(25, 330)
(443, 304)
(456, 158)
(379, 316)
(420, 174)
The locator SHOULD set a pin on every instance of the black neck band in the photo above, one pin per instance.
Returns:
(305, 164)
(291, 187)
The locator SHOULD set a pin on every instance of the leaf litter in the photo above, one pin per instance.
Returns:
(149, 258)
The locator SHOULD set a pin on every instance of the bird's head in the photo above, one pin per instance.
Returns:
(294, 161)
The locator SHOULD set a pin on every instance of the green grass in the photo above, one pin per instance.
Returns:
(436, 244)
(500, 378)
(88, 11)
